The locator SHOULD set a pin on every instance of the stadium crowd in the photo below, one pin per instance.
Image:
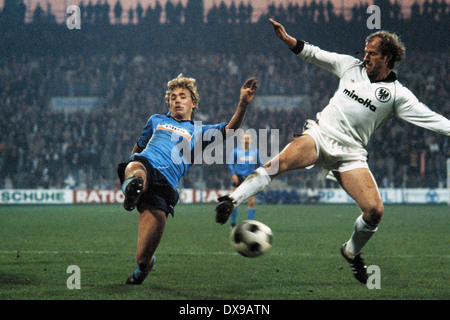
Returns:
(45, 148)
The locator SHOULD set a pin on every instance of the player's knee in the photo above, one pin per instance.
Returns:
(134, 166)
(374, 214)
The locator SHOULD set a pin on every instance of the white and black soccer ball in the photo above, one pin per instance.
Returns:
(251, 238)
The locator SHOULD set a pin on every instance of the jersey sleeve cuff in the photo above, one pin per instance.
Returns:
(298, 47)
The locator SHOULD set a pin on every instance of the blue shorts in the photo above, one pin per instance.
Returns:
(159, 194)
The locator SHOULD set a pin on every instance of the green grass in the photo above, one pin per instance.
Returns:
(196, 261)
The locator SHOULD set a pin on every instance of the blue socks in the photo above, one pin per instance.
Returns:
(233, 219)
(251, 214)
(140, 275)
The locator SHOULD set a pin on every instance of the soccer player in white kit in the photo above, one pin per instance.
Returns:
(368, 95)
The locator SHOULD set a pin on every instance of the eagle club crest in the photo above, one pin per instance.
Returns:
(383, 94)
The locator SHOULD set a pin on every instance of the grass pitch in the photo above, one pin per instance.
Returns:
(195, 260)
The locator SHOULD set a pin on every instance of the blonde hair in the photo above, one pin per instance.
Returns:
(187, 83)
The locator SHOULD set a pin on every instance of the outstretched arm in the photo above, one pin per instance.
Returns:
(333, 62)
(409, 108)
(248, 91)
(290, 41)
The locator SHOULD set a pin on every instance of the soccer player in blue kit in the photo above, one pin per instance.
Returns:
(243, 161)
(162, 156)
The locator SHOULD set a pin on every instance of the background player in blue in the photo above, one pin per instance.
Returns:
(243, 161)
(150, 178)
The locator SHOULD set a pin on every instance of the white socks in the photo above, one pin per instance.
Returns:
(254, 184)
(361, 234)
(260, 179)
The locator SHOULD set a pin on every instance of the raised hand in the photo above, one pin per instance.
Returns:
(282, 34)
(248, 91)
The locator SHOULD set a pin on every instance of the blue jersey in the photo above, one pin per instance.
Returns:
(169, 144)
(243, 162)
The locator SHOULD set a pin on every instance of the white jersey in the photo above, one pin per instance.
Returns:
(359, 107)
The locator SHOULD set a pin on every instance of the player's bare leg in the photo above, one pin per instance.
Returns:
(298, 154)
(152, 223)
(361, 186)
(251, 203)
(251, 208)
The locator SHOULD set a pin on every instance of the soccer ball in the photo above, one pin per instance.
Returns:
(251, 238)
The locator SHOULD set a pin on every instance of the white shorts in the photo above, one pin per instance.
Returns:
(332, 155)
